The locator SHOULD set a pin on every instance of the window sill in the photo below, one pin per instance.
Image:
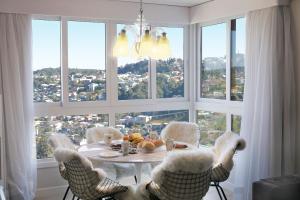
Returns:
(46, 163)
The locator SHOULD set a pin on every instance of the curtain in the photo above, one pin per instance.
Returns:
(269, 116)
(17, 90)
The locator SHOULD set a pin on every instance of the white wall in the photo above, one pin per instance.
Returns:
(219, 9)
(99, 9)
(295, 5)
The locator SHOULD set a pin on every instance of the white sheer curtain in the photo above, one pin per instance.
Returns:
(16, 86)
(268, 123)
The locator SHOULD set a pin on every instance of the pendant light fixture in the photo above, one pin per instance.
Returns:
(148, 44)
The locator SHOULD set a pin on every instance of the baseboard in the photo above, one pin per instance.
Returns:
(50, 193)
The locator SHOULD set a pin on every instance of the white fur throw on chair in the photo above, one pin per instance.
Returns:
(187, 161)
(60, 141)
(96, 134)
(225, 147)
(63, 155)
(182, 131)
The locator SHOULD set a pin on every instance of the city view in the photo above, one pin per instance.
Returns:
(213, 78)
(87, 80)
(90, 85)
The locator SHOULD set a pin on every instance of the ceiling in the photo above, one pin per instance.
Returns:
(187, 3)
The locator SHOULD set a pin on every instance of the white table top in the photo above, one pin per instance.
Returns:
(93, 150)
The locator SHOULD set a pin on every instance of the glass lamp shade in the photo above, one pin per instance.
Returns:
(146, 45)
(121, 48)
(162, 48)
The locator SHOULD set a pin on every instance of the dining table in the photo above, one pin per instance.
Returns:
(103, 152)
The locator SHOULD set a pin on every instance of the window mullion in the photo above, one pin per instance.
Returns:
(113, 66)
(64, 61)
(152, 89)
(228, 61)
(199, 62)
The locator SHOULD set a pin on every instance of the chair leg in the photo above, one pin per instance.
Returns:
(218, 192)
(66, 193)
(135, 178)
(73, 197)
(223, 193)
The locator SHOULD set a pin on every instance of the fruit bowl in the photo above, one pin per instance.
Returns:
(149, 146)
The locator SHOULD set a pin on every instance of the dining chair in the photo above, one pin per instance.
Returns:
(85, 181)
(61, 141)
(224, 149)
(96, 134)
(181, 176)
(182, 131)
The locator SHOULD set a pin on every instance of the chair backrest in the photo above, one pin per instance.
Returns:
(225, 147)
(182, 131)
(96, 134)
(183, 175)
(60, 141)
(81, 175)
(182, 185)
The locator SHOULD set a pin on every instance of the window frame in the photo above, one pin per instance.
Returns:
(111, 105)
(226, 106)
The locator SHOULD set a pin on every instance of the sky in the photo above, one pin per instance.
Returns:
(86, 43)
(214, 39)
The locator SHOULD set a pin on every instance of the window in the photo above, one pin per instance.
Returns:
(74, 82)
(46, 61)
(170, 73)
(86, 55)
(212, 125)
(133, 74)
(236, 123)
(74, 126)
(237, 59)
(144, 122)
(221, 79)
(213, 63)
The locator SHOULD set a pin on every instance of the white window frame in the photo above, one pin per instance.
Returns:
(111, 105)
(226, 106)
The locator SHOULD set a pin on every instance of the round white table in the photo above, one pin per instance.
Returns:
(93, 151)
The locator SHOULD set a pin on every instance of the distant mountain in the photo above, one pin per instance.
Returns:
(140, 67)
(215, 63)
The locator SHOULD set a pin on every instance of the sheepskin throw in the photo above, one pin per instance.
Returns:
(182, 176)
(96, 134)
(182, 131)
(225, 147)
(60, 141)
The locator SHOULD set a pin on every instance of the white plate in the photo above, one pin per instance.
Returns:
(109, 154)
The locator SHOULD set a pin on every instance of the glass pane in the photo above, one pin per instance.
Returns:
(86, 51)
(236, 123)
(170, 73)
(46, 61)
(237, 58)
(212, 125)
(144, 122)
(133, 74)
(74, 126)
(213, 65)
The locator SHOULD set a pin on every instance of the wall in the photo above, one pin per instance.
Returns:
(100, 9)
(219, 9)
(295, 5)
